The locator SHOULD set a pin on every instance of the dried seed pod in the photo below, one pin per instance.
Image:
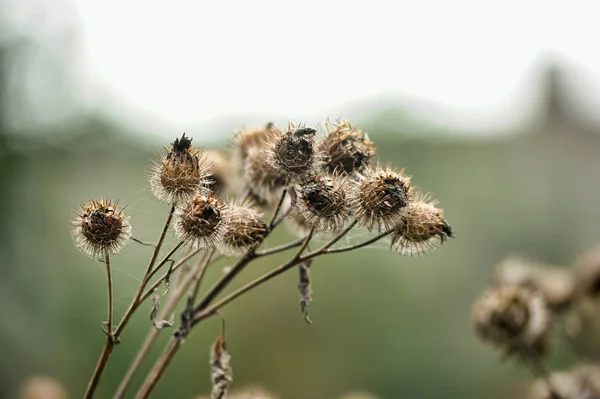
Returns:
(420, 229)
(202, 223)
(321, 201)
(180, 173)
(379, 197)
(291, 153)
(305, 288)
(220, 372)
(263, 182)
(581, 383)
(245, 230)
(513, 319)
(345, 149)
(220, 179)
(556, 285)
(587, 275)
(100, 227)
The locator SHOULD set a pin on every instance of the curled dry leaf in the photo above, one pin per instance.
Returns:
(220, 372)
(305, 288)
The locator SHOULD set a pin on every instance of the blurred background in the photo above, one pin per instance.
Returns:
(491, 106)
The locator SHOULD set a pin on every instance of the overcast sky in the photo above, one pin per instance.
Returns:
(181, 63)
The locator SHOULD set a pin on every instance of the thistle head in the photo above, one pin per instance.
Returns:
(421, 228)
(245, 230)
(380, 195)
(321, 201)
(345, 149)
(202, 222)
(100, 228)
(512, 319)
(291, 153)
(180, 172)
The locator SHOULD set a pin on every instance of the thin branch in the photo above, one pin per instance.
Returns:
(109, 331)
(280, 248)
(159, 368)
(357, 246)
(272, 224)
(154, 332)
(113, 338)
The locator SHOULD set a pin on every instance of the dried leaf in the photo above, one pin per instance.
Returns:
(304, 286)
(160, 324)
(221, 373)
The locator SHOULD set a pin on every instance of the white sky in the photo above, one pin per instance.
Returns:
(180, 63)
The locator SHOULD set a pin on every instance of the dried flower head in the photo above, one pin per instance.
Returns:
(247, 140)
(380, 194)
(220, 372)
(219, 181)
(100, 227)
(345, 149)
(244, 231)
(587, 274)
(321, 201)
(180, 173)
(556, 285)
(291, 153)
(202, 223)
(264, 183)
(581, 383)
(421, 228)
(512, 319)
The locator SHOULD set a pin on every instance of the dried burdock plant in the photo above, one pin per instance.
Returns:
(322, 183)
(345, 149)
(202, 223)
(101, 228)
(513, 319)
(380, 195)
(421, 228)
(321, 201)
(527, 298)
(180, 172)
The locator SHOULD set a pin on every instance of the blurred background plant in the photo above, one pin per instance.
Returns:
(526, 182)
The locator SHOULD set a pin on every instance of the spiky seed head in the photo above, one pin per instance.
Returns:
(421, 228)
(345, 149)
(291, 152)
(180, 173)
(246, 230)
(379, 195)
(247, 140)
(263, 182)
(321, 201)
(587, 274)
(220, 180)
(512, 319)
(556, 285)
(100, 227)
(202, 222)
(581, 383)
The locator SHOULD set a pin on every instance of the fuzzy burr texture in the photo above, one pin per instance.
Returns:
(421, 229)
(100, 227)
(245, 230)
(345, 149)
(291, 153)
(580, 383)
(202, 223)
(322, 203)
(219, 181)
(380, 194)
(513, 319)
(220, 371)
(180, 173)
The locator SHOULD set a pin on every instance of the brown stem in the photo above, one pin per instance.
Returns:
(113, 338)
(154, 332)
(272, 224)
(110, 294)
(280, 248)
(159, 368)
